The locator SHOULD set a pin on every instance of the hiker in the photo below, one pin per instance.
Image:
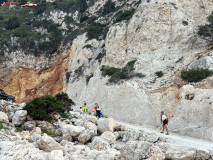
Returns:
(164, 120)
(81, 111)
(98, 111)
(85, 108)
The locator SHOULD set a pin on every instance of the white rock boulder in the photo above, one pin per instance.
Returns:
(180, 153)
(56, 155)
(89, 133)
(108, 137)
(72, 130)
(3, 117)
(48, 144)
(25, 135)
(29, 125)
(99, 144)
(19, 117)
(107, 124)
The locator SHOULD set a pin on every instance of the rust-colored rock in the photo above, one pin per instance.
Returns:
(26, 84)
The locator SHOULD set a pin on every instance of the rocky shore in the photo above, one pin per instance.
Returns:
(78, 138)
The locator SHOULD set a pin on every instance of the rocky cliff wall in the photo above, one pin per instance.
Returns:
(162, 37)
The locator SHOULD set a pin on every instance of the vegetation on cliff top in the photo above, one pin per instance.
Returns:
(33, 31)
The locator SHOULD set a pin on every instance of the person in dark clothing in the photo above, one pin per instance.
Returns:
(98, 111)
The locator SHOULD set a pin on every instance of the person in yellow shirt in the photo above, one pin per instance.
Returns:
(85, 109)
(81, 111)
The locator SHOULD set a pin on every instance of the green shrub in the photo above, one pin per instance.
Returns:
(139, 75)
(79, 71)
(117, 74)
(100, 56)
(23, 31)
(159, 74)
(40, 8)
(96, 30)
(109, 71)
(1, 126)
(65, 100)
(64, 115)
(84, 18)
(108, 8)
(195, 75)
(40, 108)
(72, 5)
(12, 23)
(68, 20)
(206, 31)
(126, 15)
(20, 129)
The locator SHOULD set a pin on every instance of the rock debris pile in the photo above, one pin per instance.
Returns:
(78, 138)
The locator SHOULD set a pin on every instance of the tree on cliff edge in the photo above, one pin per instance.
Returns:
(206, 31)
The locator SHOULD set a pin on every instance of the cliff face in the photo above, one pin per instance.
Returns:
(28, 83)
(161, 36)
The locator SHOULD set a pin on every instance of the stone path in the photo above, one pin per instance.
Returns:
(173, 138)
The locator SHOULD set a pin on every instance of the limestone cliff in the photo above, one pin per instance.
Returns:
(161, 35)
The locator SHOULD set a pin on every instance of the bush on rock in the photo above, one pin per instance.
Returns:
(42, 107)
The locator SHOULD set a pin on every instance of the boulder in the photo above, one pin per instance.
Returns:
(79, 149)
(36, 130)
(89, 133)
(119, 145)
(29, 125)
(93, 119)
(25, 135)
(122, 127)
(203, 154)
(107, 124)
(136, 150)
(58, 132)
(35, 135)
(56, 116)
(3, 117)
(78, 122)
(149, 137)
(20, 150)
(56, 155)
(131, 135)
(19, 117)
(108, 137)
(67, 137)
(117, 135)
(45, 126)
(105, 157)
(180, 153)
(72, 130)
(48, 144)
(99, 144)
